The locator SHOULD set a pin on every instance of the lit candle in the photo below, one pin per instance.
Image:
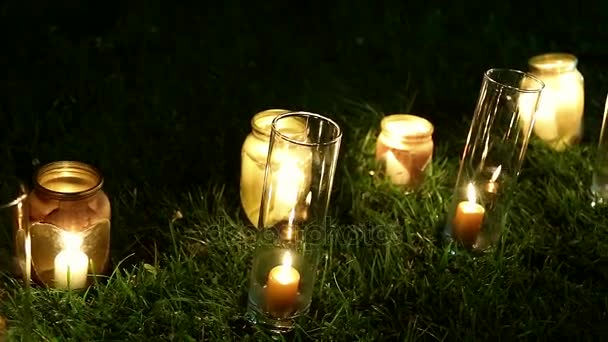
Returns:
(71, 264)
(468, 218)
(289, 183)
(405, 146)
(558, 119)
(282, 287)
(254, 154)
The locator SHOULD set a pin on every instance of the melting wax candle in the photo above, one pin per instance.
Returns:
(282, 287)
(71, 264)
(468, 219)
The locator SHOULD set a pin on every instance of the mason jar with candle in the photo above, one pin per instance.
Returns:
(254, 154)
(559, 117)
(405, 148)
(70, 225)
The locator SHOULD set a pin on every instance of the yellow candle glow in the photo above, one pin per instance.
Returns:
(559, 116)
(71, 264)
(282, 287)
(253, 162)
(405, 146)
(468, 219)
(289, 184)
(253, 166)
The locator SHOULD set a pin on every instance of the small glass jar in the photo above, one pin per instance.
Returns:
(70, 225)
(253, 162)
(281, 286)
(405, 148)
(559, 118)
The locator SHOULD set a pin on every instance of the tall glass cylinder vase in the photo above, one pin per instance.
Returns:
(599, 186)
(15, 243)
(492, 157)
(15, 257)
(297, 187)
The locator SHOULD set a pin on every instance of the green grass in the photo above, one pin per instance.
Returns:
(159, 97)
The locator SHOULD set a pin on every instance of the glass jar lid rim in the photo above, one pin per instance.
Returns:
(420, 127)
(91, 179)
(553, 61)
(262, 121)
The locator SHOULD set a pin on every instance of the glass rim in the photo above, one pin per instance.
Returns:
(19, 198)
(488, 76)
(430, 128)
(267, 113)
(283, 136)
(59, 169)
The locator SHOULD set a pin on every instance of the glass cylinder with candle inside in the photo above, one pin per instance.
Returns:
(492, 157)
(559, 117)
(70, 232)
(405, 148)
(297, 186)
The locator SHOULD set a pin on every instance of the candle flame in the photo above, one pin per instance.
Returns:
(287, 259)
(471, 193)
(496, 173)
(71, 241)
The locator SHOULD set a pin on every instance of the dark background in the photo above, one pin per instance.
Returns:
(159, 96)
(161, 93)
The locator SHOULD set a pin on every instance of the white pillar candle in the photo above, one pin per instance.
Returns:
(71, 264)
(71, 269)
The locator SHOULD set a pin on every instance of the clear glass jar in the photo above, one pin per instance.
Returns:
(405, 148)
(70, 225)
(253, 162)
(599, 184)
(559, 118)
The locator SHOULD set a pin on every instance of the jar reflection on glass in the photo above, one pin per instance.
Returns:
(405, 148)
(70, 231)
(559, 118)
